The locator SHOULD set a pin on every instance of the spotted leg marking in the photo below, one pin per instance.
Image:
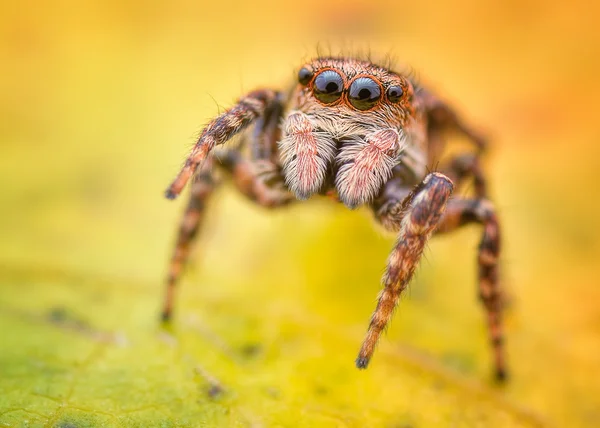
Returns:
(421, 212)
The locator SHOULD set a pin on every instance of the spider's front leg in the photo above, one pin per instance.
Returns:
(220, 130)
(421, 211)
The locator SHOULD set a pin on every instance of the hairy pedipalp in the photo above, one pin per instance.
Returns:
(306, 154)
(365, 164)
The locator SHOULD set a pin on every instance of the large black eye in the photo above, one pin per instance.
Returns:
(304, 76)
(328, 86)
(394, 93)
(364, 93)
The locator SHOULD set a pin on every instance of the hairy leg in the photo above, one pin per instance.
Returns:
(267, 131)
(259, 180)
(262, 142)
(388, 206)
(202, 187)
(481, 211)
(247, 110)
(460, 167)
(421, 211)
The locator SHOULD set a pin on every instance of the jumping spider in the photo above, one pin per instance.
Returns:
(360, 134)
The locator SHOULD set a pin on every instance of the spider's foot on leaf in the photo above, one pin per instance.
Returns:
(169, 194)
(501, 375)
(362, 363)
(165, 317)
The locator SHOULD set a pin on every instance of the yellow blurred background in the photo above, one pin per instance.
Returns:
(100, 102)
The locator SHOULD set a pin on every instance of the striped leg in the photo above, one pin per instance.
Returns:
(220, 130)
(202, 187)
(466, 211)
(421, 211)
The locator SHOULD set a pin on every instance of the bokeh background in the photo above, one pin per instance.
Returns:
(100, 102)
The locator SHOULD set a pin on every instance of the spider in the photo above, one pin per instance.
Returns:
(360, 134)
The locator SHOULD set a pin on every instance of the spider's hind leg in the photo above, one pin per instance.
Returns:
(203, 184)
(441, 118)
(467, 211)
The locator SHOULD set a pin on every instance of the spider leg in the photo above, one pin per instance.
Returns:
(259, 180)
(442, 117)
(387, 207)
(466, 211)
(267, 131)
(460, 167)
(202, 187)
(421, 211)
(220, 130)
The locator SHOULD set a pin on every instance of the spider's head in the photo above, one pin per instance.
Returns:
(339, 109)
(355, 90)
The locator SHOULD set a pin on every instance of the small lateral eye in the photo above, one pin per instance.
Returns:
(328, 86)
(305, 76)
(364, 93)
(394, 93)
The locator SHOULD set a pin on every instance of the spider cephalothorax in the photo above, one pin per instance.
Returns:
(351, 120)
(364, 135)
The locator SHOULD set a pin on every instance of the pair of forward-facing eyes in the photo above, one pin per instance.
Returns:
(364, 92)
